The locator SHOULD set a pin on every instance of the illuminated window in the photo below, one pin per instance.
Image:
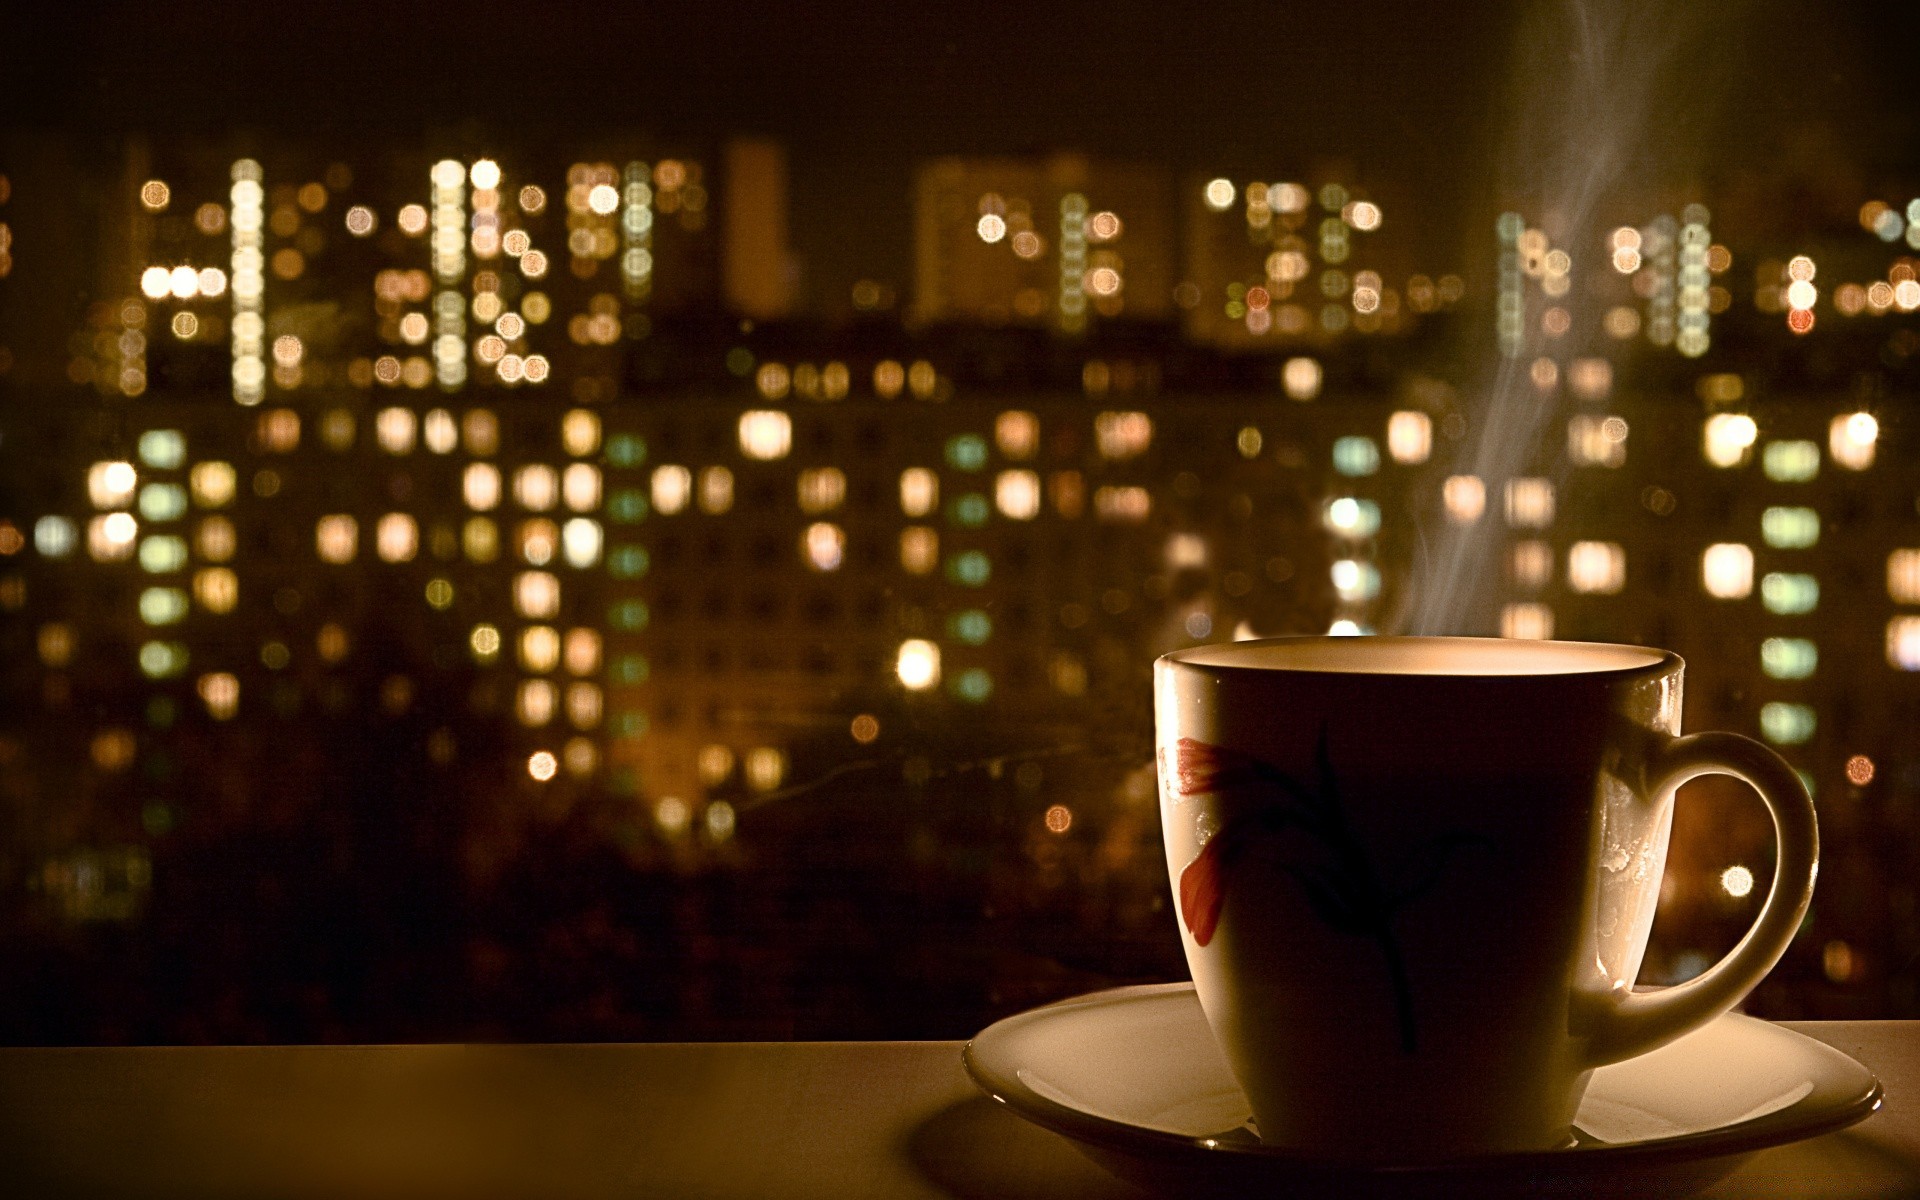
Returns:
(394, 428)
(1786, 724)
(1788, 658)
(439, 432)
(1726, 570)
(967, 452)
(1409, 437)
(629, 615)
(1789, 595)
(628, 562)
(1348, 517)
(337, 538)
(919, 491)
(1122, 504)
(481, 430)
(1356, 455)
(626, 450)
(1791, 462)
(1727, 439)
(1017, 434)
(536, 487)
(970, 569)
(580, 432)
(536, 595)
(161, 554)
(974, 685)
(162, 660)
(1186, 551)
(1590, 378)
(1851, 438)
(580, 487)
(919, 549)
(584, 705)
(538, 540)
(1301, 378)
(1354, 581)
(480, 484)
(1017, 494)
(1465, 497)
(822, 489)
(163, 501)
(539, 648)
(969, 510)
(917, 665)
(888, 378)
(972, 626)
(582, 650)
(535, 708)
(716, 490)
(1596, 567)
(766, 768)
(56, 644)
(396, 538)
(216, 589)
(1596, 441)
(480, 538)
(54, 536)
(220, 692)
(1122, 435)
(1529, 503)
(1533, 622)
(1903, 643)
(111, 484)
(165, 449)
(922, 379)
(1903, 576)
(111, 538)
(212, 483)
(672, 488)
(278, 430)
(580, 541)
(765, 434)
(823, 546)
(1532, 564)
(1790, 528)
(337, 429)
(627, 506)
(163, 606)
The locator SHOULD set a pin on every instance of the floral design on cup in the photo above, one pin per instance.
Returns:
(1344, 887)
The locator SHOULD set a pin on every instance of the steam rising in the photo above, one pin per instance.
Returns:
(1600, 111)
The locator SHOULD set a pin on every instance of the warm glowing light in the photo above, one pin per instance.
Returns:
(1219, 194)
(1851, 438)
(765, 434)
(1529, 622)
(824, 545)
(1596, 567)
(1736, 882)
(337, 538)
(1726, 570)
(1903, 643)
(1860, 770)
(1409, 437)
(542, 765)
(992, 228)
(918, 664)
(1729, 438)
(1465, 497)
(1530, 503)
(1301, 378)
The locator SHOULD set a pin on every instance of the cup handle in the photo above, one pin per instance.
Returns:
(1629, 1023)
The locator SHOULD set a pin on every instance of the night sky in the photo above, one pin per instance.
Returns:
(1418, 92)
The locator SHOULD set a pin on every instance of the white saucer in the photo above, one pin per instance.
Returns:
(1134, 1078)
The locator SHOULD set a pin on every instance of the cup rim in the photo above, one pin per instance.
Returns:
(1651, 660)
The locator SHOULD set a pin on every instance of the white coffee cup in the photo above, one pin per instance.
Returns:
(1415, 878)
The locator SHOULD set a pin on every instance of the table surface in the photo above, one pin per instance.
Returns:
(804, 1119)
